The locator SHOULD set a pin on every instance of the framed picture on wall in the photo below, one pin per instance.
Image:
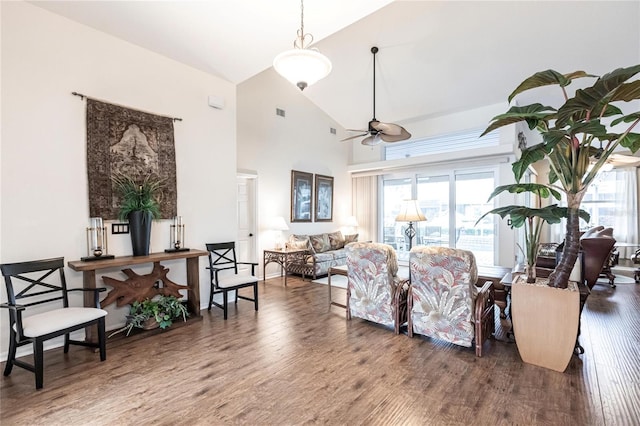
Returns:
(301, 190)
(324, 198)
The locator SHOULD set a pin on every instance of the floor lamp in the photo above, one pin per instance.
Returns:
(410, 212)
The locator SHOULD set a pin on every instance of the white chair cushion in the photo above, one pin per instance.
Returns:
(58, 319)
(235, 280)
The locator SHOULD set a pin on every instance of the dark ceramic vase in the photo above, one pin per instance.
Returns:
(140, 229)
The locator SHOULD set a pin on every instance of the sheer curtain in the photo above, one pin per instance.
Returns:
(624, 213)
(364, 201)
(626, 220)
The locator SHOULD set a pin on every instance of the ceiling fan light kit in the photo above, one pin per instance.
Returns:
(301, 65)
(377, 131)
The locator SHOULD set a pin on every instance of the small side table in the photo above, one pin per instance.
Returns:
(282, 257)
(335, 270)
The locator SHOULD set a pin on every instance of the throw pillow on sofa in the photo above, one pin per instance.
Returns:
(350, 238)
(299, 242)
(320, 242)
(336, 240)
(298, 245)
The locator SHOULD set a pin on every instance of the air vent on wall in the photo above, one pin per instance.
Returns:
(332, 130)
(280, 112)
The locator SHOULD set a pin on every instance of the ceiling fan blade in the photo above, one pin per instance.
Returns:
(353, 137)
(389, 128)
(404, 135)
(358, 130)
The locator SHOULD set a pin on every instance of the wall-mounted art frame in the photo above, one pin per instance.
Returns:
(133, 143)
(324, 198)
(301, 201)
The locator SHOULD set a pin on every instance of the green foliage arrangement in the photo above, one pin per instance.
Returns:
(164, 309)
(584, 131)
(138, 194)
(531, 218)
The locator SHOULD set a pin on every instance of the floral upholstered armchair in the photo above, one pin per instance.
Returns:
(374, 291)
(444, 301)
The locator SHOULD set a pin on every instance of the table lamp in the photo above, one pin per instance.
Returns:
(278, 225)
(410, 212)
(351, 223)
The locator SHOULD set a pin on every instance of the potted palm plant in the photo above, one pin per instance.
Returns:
(139, 205)
(577, 139)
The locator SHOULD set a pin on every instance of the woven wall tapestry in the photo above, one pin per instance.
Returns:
(133, 143)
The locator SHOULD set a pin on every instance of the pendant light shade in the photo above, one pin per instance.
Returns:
(302, 66)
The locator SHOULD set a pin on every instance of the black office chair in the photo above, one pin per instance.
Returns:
(36, 283)
(222, 256)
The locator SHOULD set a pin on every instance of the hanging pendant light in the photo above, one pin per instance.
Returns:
(302, 66)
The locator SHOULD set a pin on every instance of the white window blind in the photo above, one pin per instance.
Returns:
(451, 142)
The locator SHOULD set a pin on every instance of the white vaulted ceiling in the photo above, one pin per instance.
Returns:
(435, 58)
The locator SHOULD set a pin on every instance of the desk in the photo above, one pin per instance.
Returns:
(89, 269)
(495, 274)
(282, 257)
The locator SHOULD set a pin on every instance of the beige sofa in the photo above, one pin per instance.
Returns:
(324, 251)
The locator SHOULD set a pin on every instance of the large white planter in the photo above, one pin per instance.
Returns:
(545, 322)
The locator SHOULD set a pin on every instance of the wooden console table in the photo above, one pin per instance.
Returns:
(89, 269)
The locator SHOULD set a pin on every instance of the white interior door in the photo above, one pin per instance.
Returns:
(246, 239)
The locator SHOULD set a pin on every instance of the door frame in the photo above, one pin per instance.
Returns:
(253, 178)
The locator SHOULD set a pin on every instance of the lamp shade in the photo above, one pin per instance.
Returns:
(410, 212)
(351, 221)
(302, 67)
(278, 224)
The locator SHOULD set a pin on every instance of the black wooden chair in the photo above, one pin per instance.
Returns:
(222, 257)
(36, 283)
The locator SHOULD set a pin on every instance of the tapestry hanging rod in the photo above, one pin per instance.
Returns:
(81, 96)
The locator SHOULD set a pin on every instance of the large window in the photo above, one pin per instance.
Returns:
(612, 201)
(472, 192)
(394, 192)
(452, 203)
(601, 199)
(451, 142)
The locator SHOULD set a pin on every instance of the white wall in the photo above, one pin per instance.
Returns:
(272, 146)
(44, 207)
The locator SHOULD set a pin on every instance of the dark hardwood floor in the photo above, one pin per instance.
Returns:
(297, 362)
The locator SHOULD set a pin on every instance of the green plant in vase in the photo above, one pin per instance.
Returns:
(140, 204)
(137, 194)
(578, 138)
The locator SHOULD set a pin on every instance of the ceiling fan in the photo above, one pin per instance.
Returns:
(377, 131)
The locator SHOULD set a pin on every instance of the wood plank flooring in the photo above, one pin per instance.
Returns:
(297, 362)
